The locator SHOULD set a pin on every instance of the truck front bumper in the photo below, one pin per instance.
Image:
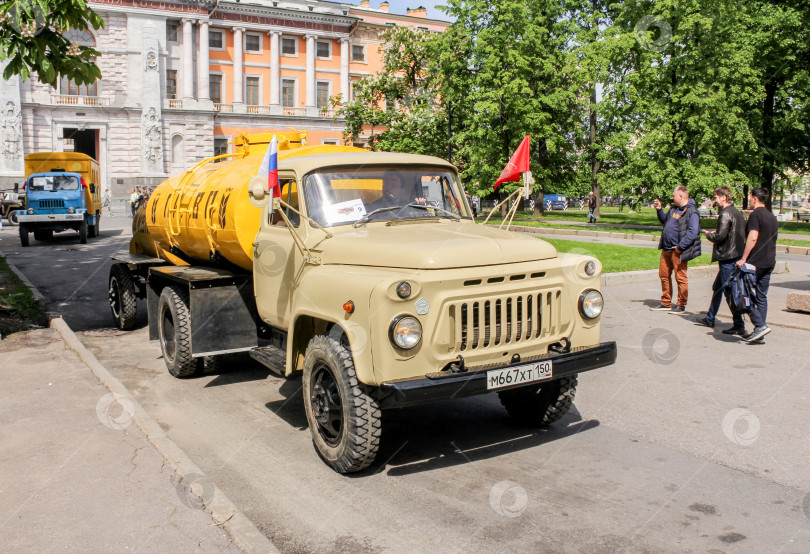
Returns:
(48, 218)
(395, 394)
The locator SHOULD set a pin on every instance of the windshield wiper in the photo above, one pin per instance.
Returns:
(366, 217)
(427, 207)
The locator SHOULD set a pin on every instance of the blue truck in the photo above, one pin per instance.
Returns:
(57, 201)
(60, 195)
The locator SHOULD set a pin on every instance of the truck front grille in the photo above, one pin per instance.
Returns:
(49, 204)
(494, 322)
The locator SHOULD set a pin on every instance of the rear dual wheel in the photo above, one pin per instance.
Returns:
(123, 297)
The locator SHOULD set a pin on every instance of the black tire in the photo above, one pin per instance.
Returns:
(12, 217)
(123, 297)
(174, 332)
(540, 405)
(345, 422)
(83, 231)
(43, 235)
(211, 364)
(24, 234)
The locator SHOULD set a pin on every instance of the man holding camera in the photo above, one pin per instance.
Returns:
(680, 242)
(729, 241)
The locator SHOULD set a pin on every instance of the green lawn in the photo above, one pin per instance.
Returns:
(617, 258)
(709, 225)
(19, 309)
(646, 216)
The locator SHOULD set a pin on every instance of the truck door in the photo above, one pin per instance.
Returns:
(277, 261)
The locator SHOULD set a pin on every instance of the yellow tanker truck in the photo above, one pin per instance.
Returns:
(369, 277)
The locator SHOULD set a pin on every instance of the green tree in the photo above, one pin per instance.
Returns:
(31, 40)
(399, 105)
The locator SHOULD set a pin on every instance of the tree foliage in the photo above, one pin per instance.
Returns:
(32, 40)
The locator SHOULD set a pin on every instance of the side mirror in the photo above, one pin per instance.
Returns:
(257, 190)
(92, 188)
(16, 187)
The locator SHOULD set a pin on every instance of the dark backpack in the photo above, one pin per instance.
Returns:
(741, 299)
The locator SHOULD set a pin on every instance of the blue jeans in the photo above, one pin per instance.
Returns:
(591, 217)
(761, 301)
(726, 268)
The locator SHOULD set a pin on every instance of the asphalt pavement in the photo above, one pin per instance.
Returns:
(692, 442)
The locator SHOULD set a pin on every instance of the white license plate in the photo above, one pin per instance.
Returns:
(528, 373)
(74, 216)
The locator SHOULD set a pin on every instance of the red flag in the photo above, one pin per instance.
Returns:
(518, 163)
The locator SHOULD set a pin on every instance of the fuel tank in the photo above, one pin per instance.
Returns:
(204, 215)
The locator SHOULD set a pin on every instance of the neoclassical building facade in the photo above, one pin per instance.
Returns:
(181, 78)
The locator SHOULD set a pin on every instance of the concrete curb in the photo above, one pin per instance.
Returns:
(244, 533)
(34, 290)
(697, 272)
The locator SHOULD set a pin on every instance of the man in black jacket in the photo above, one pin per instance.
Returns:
(729, 241)
(680, 242)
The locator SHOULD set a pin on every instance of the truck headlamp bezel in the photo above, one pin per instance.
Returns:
(402, 328)
(30, 211)
(591, 304)
(71, 210)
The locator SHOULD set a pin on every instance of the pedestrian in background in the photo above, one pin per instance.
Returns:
(591, 207)
(728, 240)
(760, 251)
(680, 242)
(105, 203)
(133, 199)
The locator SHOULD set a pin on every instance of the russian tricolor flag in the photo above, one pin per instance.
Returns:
(270, 168)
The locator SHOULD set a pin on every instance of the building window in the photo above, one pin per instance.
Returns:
(289, 46)
(171, 31)
(252, 90)
(358, 53)
(253, 43)
(323, 49)
(66, 86)
(220, 146)
(216, 40)
(171, 84)
(178, 153)
(215, 87)
(322, 95)
(330, 141)
(288, 93)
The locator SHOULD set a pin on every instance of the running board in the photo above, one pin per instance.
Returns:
(274, 359)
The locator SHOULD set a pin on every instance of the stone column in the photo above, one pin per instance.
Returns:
(345, 51)
(238, 77)
(310, 93)
(151, 123)
(275, 73)
(12, 166)
(188, 60)
(203, 89)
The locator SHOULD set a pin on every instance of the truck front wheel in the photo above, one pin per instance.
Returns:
(83, 231)
(12, 217)
(123, 299)
(23, 234)
(174, 330)
(343, 419)
(540, 405)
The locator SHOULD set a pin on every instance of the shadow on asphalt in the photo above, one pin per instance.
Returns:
(71, 237)
(461, 432)
(796, 285)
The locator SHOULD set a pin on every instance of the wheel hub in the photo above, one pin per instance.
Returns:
(327, 408)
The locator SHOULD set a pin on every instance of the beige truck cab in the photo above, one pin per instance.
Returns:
(371, 280)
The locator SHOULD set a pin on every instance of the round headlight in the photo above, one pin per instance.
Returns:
(404, 290)
(590, 268)
(591, 304)
(31, 211)
(406, 332)
(70, 210)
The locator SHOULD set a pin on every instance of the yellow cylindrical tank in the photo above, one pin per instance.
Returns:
(205, 214)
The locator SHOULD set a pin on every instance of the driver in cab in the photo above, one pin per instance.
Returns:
(395, 193)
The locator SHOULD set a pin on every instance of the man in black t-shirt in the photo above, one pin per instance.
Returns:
(760, 252)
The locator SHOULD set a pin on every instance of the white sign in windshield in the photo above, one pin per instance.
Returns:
(344, 212)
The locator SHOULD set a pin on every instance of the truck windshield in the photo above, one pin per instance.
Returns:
(344, 196)
(53, 182)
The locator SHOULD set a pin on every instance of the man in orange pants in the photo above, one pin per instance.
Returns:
(680, 242)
